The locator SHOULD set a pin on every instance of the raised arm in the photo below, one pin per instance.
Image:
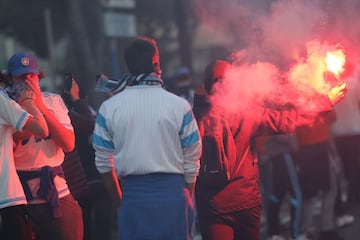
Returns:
(64, 137)
(36, 123)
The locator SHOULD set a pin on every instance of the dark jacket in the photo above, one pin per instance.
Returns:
(84, 122)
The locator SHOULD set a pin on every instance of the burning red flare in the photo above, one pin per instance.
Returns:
(323, 63)
(335, 61)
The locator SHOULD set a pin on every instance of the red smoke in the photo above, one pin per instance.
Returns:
(294, 56)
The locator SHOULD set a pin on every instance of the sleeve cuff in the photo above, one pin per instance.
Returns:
(190, 179)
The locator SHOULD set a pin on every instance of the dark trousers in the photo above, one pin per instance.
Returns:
(244, 225)
(313, 168)
(15, 223)
(349, 151)
(284, 179)
(98, 213)
(67, 227)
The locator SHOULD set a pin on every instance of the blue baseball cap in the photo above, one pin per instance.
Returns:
(22, 63)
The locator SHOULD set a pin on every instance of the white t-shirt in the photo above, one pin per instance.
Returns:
(12, 118)
(34, 153)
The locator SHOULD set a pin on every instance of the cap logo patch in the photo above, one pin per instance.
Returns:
(25, 61)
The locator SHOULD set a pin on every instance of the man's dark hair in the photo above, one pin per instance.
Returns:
(4, 78)
(139, 55)
(214, 72)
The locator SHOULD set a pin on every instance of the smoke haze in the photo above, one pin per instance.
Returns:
(279, 46)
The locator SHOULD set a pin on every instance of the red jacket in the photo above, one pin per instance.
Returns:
(244, 191)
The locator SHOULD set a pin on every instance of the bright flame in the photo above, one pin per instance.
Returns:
(313, 72)
(335, 61)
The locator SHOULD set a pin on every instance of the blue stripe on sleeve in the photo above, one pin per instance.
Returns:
(188, 117)
(3, 93)
(6, 201)
(101, 121)
(21, 120)
(99, 141)
(190, 140)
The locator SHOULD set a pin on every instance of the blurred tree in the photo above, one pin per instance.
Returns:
(81, 23)
(86, 48)
(184, 20)
(24, 20)
(78, 20)
(171, 22)
(156, 19)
